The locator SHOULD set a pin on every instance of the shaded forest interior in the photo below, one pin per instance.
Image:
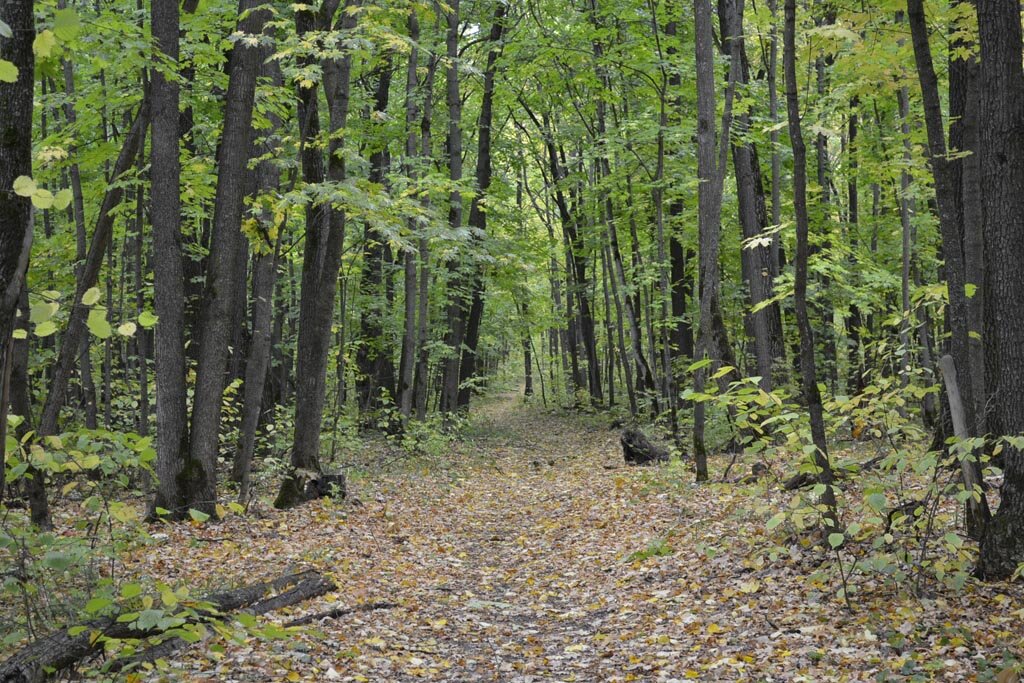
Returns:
(242, 242)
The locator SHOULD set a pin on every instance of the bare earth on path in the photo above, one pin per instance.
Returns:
(526, 559)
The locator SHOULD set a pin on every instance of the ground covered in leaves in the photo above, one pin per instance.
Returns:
(532, 555)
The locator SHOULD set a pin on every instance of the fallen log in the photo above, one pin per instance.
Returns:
(312, 587)
(60, 650)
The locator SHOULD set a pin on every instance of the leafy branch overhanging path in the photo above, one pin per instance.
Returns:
(528, 560)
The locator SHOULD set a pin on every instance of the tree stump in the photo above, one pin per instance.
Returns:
(326, 486)
(637, 449)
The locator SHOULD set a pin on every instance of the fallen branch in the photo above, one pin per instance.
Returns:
(341, 612)
(60, 650)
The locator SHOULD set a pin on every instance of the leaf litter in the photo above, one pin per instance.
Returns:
(531, 557)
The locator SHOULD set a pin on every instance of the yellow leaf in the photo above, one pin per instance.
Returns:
(715, 628)
(293, 676)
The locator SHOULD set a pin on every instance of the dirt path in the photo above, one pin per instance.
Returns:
(527, 560)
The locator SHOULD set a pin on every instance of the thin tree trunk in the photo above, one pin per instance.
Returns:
(808, 369)
(408, 354)
(264, 278)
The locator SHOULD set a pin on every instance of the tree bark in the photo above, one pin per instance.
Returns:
(221, 281)
(321, 261)
(477, 213)
(16, 215)
(168, 270)
(808, 369)
(1001, 123)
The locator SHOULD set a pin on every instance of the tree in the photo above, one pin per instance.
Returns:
(16, 97)
(168, 271)
(325, 237)
(1002, 176)
(808, 368)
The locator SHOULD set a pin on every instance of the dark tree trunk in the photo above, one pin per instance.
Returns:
(765, 325)
(407, 362)
(221, 280)
(946, 192)
(168, 272)
(966, 197)
(808, 369)
(1001, 123)
(16, 100)
(325, 237)
(458, 304)
(264, 278)
(375, 381)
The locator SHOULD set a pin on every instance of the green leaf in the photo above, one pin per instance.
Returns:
(98, 324)
(24, 186)
(8, 72)
(96, 604)
(5, 30)
(57, 560)
(130, 590)
(44, 43)
(147, 319)
(42, 199)
(953, 540)
(835, 540)
(91, 296)
(776, 520)
(877, 501)
(45, 329)
(198, 515)
(66, 24)
(62, 199)
(42, 311)
(126, 329)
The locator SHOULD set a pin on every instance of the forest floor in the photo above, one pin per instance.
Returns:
(528, 553)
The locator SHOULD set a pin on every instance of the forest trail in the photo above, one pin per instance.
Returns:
(527, 560)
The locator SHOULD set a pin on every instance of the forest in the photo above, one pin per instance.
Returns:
(533, 340)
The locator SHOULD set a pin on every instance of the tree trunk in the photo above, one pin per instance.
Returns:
(264, 278)
(16, 216)
(168, 271)
(807, 362)
(325, 237)
(458, 305)
(375, 381)
(764, 324)
(1001, 123)
(221, 280)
